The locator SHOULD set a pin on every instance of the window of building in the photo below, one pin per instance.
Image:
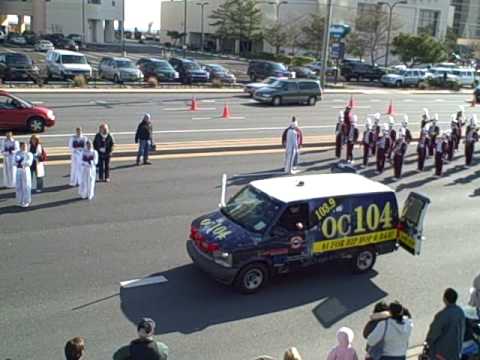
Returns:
(97, 2)
(428, 22)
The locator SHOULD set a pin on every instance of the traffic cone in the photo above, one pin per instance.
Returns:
(194, 104)
(390, 110)
(226, 112)
(351, 103)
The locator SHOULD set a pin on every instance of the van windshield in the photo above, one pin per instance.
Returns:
(73, 59)
(252, 209)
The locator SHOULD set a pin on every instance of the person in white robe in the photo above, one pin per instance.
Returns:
(76, 144)
(88, 175)
(9, 149)
(23, 161)
(291, 149)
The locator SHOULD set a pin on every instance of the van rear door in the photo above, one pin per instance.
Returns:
(410, 227)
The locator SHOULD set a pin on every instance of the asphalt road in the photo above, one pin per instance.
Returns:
(62, 259)
(172, 120)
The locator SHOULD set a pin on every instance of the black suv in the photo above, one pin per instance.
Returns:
(189, 71)
(18, 66)
(157, 68)
(292, 91)
(260, 69)
(359, 70)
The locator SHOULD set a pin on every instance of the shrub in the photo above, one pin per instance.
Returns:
(284, 59)
(152, 82)
(79, 81)
(217, 83)
(302, 60)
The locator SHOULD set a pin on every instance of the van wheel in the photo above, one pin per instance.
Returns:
(364, 260)
(398, 84)
(312, 101)
(252, 278)
(36, 125)
(277, 101)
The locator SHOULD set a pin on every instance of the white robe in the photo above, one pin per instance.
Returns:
(9, 149)
(23, 161)
(76, 145)
(291, 150)
(88, 174)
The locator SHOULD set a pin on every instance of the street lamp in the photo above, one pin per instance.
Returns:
(277, 5)
(202, 4)
(391, 7)
(184, 28)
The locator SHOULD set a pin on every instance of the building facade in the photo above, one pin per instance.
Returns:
(466, 23)
(95, 19)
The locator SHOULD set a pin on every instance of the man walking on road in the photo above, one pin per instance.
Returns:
(339, 136)
(143, 138)
(291, 141)
(445, 336)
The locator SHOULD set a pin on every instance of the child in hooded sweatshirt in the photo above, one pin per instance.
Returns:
(344, 349)
(380, 312)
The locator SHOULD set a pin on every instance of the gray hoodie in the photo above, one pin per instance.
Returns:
(395, 336)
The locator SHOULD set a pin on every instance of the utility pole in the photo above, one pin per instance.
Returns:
(124, 48)
(184, 28)
(83, 23)
(326, 37)
(203, 4)
(390, 8)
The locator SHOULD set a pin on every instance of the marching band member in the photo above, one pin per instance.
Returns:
(382, 144)
(88, 174)
(399, 151)
(9, 149)
(404, 127)
(352, 138)
(471, 137)
(392, 133)
(433, 132)
(422, 149)
(460, 117)
(376, 130)
(23, 161)
(76, 145)
(368, 141)
(425, 119)
(441, 151)
(453, 134)
(339, 136)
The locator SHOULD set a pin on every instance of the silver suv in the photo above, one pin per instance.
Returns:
(119, 70)
(407, 77)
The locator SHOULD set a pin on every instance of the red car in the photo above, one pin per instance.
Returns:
(16, 113)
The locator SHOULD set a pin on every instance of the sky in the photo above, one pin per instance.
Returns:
(139, 13)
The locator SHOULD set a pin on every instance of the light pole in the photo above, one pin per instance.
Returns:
(277, 5)
(202, 4)
(325, 44)
(184, 28)
(390, 7)
(124, 49)
(83, 23)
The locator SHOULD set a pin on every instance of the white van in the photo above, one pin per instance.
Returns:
(65, 64)
(466, 76)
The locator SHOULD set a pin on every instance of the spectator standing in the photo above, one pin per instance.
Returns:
(143, 137)
(76, 145)
(299, 132)
(9, 149)
(75, 348)
(144, 347)
(344, 349)
(446, 333)
(38, 165)
(393, 334)
(23, 161)
(88, 173)
(292, 145)
(103, 143)
(381, 312)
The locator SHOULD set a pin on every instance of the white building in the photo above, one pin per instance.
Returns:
(414, 16)
(94, 18)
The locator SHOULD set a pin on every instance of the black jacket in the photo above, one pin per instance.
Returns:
(100, 142)
(144, 132)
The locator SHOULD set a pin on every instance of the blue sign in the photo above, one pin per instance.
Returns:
(337, 51)
(339, 30)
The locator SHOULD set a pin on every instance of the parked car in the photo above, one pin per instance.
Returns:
(252, 87)
(303, 72)
(465, 76)
(56, 39)
(2, 36)
(437, 73)
(157, 68)
(261, 69)
(43, 46)
(67, 44)
(359, 71)
(218, 72)
(30, 37)
(18, 66)
(408, 77)
(16, 39)
(189, 71)
(17, 113)
(119, 70)
(318, 66)
(65, 64)
(290, 91)
(77, 38)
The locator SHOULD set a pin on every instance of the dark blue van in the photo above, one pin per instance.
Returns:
(278, 225)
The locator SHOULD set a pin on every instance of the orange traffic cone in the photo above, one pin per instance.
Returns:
(226, 112)
(351, 103)
(390, 110)
(194, 104)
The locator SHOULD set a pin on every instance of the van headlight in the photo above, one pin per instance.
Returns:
(222, 258)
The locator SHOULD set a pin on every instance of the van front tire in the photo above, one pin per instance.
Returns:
(252, 278)
(363, 260)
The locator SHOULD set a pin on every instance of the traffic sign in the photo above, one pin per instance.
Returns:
(340, 30)
(337, 51)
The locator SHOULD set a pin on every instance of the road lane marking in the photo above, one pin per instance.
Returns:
(143, 282)
(207, 101)
(188, 109)
(201, 118)
(375, 100)
(355, 107)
